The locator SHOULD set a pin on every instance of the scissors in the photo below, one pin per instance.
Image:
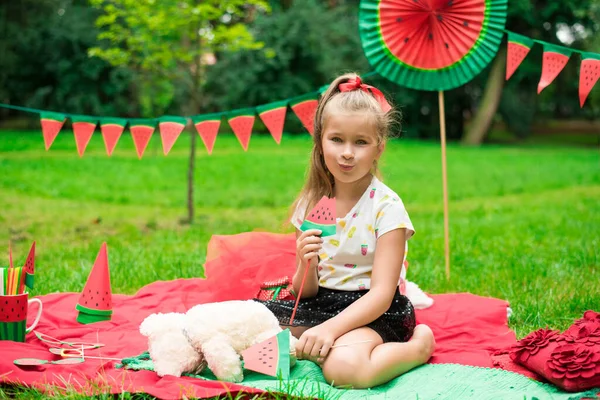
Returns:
(57, 342)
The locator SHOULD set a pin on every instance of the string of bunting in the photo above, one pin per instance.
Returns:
(241, 122)
(554, 60)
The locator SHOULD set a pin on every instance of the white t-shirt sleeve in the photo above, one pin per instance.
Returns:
(391, 215)
(298, 216)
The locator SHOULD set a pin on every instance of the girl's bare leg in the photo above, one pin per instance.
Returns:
(296, 331)
(370, 364)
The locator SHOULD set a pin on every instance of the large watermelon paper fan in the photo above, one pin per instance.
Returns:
(431, 44)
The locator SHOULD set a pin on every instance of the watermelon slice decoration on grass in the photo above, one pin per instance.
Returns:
(589, 73)
(518, 48)
(207, 126)
(273, 116)
(555, 59)
(170, 129)
(95, 302)
(305, 108)
(112, 128)
(431, 45)
(13, 317)
(83, 129)
(242, 122)
(51, 125)
(322, 217)
(270, 357)
(141, 131)
(29, 267)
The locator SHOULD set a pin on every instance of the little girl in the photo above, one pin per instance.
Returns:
(351, 317)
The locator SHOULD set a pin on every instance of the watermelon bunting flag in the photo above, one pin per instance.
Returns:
(518, 48)
(112, 128)
(29, 267)
(431, 45)
(589, 73)
(270, 357)
(95, 301)
(555, 59)
(241, 122)
(207, 126)
(83, 129)
(305, 108)
(170, 128)
(273, 116)
(51, 125)
(141, 131)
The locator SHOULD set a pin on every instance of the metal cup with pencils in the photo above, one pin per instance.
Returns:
(14, 300)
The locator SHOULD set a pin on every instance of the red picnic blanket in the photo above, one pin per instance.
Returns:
(468, 328)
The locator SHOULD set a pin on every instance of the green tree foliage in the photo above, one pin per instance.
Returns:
(167, 42)
(43, 60)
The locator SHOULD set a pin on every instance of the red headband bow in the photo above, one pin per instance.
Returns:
(356, 84)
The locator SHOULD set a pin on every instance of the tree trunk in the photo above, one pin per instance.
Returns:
(480, 126)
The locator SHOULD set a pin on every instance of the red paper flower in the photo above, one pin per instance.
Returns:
(531, 344)
(573, 361)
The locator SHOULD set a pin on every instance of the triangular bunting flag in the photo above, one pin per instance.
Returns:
(305, 108)
(112, 128)
(273, 116)
(555, 59)
(29, 267)
(270, 357)
(207, 126)
(51, 124)
(518, 48)
(170, 129)
(589, 72)
(141, 131)
(83, 129)
(241, 122)
(95, 301)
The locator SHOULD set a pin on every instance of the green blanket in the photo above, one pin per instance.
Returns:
(430, 381)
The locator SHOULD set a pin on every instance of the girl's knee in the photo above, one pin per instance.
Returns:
(342, 369)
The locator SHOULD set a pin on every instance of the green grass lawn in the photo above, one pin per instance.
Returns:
(524, 221)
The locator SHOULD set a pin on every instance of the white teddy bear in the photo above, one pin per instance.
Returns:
(212, 334)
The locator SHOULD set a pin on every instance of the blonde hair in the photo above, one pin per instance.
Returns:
(319, 181)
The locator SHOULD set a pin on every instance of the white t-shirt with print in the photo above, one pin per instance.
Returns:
(347, 257)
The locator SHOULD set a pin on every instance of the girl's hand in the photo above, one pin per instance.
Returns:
(315, 343)
(308, 246)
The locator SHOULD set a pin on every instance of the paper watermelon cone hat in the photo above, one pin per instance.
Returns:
(95, 302)
(322, 217)
(270, 357)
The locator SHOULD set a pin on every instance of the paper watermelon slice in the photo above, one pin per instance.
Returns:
(273, 116)
(170, 129)
(95, 302)
(51, 125)
(305, 108)
(242, 122)
(207, 126)
(322, 217)
(141, 131)
(555, 59)
(589, 73)
(83, 129)
(29, 267)
(112, 128)
(518, 48)
(270, 357)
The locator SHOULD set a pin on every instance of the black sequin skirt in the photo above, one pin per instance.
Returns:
(395, 325)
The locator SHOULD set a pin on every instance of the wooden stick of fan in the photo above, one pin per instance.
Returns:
(299, 293)
(444, 182)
